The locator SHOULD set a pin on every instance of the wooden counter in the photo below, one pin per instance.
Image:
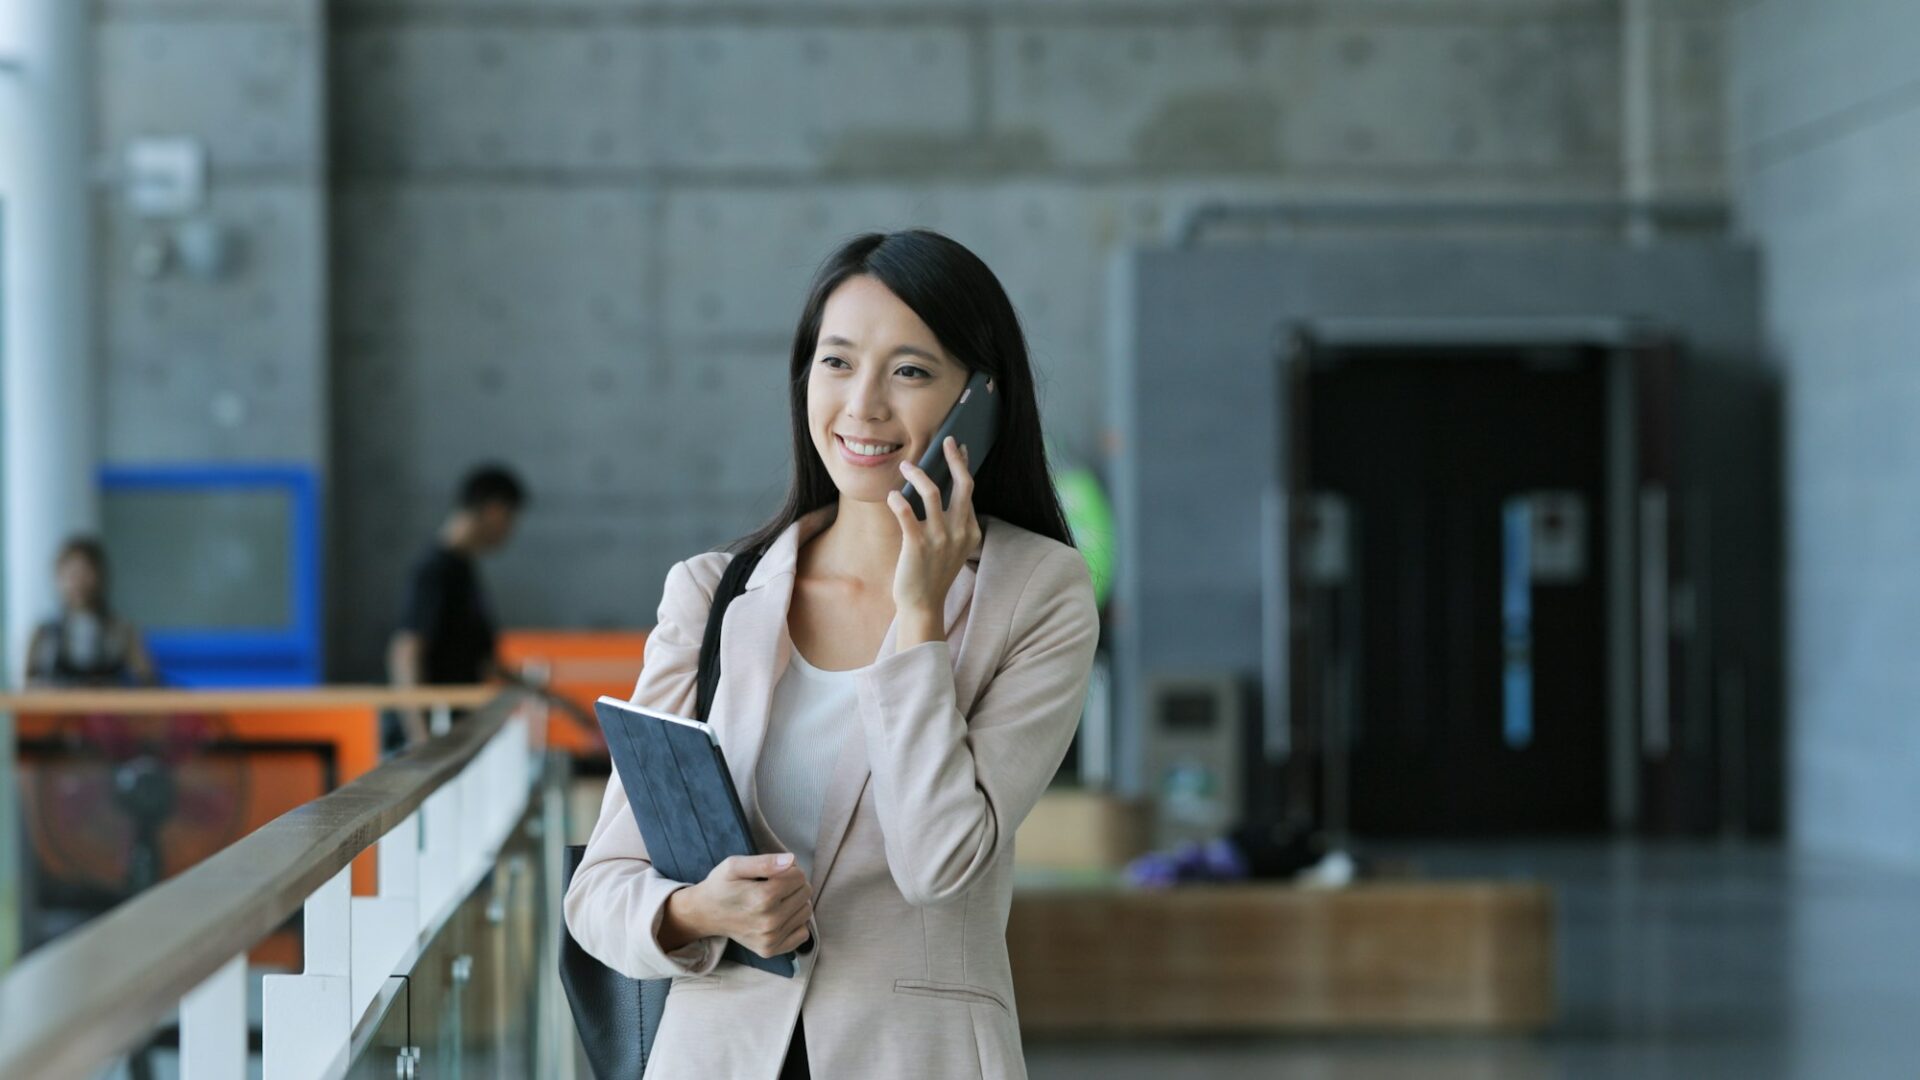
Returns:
(1213, 959)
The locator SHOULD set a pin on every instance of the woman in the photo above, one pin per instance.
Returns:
(895, 694)
(86, 644)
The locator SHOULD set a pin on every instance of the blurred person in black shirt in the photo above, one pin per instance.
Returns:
(447, 633)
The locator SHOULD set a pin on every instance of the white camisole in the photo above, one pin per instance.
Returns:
(812, 711)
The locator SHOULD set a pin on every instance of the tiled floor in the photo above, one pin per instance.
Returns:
(1691, 962)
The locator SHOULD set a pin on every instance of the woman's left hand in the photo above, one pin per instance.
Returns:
(932, 551)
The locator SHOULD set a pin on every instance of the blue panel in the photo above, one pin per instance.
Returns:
(1516, 617)
(284, 653)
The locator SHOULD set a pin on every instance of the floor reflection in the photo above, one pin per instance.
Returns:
(1694, 962)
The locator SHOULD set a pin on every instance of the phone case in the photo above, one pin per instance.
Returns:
(974, 420)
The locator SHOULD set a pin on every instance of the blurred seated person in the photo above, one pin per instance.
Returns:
(446, 634)
(86, 645)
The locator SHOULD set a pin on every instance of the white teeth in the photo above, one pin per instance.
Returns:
(869, 449)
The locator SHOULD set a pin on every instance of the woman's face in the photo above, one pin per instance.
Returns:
(878, 376)
(78, 581)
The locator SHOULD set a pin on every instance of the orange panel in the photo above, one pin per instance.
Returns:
(229, 799)
(581, 666)
(355, 737)
(80, 836)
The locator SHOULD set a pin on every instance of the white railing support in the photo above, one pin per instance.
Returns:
(438, 850)
(428, 865)
(307, 1019)
(386, 925)
(213, 1026)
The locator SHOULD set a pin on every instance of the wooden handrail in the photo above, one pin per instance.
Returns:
(94, 993)
(130, 702)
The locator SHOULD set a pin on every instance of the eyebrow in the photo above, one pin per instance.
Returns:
(904, 350)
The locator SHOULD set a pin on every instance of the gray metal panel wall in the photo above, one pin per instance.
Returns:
(1195, 392)
(1826, 141)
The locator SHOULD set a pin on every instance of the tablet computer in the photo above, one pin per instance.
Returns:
(682, 797)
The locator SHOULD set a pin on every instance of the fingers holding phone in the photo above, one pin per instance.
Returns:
(933, 550)
(949, 505)
(938, 529)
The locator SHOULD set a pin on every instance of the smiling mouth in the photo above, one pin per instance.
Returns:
(859, 457)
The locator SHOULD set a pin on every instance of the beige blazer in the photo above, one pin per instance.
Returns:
(954, 742)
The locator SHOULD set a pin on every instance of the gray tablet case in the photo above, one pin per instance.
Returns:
(682, 797)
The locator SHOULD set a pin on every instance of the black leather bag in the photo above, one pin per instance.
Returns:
(617, 1015)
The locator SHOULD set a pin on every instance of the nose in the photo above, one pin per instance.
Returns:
(868, 400)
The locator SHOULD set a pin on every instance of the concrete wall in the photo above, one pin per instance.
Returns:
(575, 235)
(231, 369)
(1826, 150)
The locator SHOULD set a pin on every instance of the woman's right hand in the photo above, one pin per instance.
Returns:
(761, 901)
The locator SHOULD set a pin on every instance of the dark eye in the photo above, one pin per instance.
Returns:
(922, 371)
(831, 360)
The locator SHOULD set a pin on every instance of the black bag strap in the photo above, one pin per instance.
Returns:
(733, 582)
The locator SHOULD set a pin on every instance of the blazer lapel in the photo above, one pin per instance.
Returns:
(755, 631)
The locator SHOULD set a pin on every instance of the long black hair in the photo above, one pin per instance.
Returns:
(964, 305)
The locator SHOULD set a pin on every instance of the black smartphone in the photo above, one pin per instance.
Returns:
(973, 422)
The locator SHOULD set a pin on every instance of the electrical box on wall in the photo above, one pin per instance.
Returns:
(1193, 754)
(165, 177)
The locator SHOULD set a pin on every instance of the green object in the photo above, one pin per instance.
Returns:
(1090, 517)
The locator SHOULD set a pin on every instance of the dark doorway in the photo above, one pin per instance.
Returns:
(1455, 615)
